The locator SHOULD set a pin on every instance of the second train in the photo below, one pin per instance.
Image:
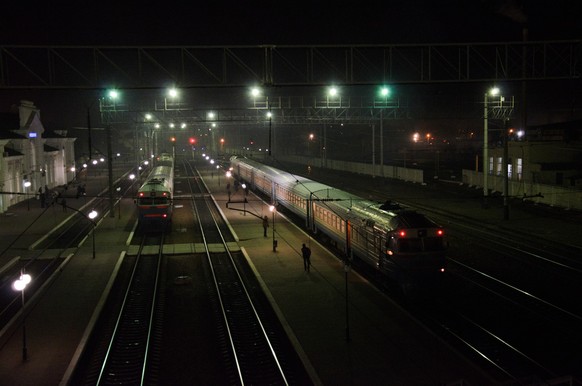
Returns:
(399, 242)
(155, 196)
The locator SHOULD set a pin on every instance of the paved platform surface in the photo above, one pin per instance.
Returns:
(385, 345)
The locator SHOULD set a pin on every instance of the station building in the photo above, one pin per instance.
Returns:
(33, 158)
(544, 165)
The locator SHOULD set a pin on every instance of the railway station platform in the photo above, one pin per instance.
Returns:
(347, 332)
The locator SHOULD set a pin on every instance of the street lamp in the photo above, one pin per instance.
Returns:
(385, 92)
(492, 92)
(244, 188)
(333, 93)
(20, 285)
(273, 210)
(310, 139)
(112, 95)
(270, 116)
(228, 175)
(91, 217)
(26, 186)
(172, 94)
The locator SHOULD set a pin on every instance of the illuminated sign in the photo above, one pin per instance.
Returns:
(32, 135)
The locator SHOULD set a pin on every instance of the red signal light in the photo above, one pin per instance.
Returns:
(402, 234)
(440, 232)
(192, 140)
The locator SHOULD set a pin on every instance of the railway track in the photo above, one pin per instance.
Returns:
(257, 350)
(127, 339)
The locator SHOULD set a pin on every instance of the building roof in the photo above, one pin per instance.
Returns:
(48, 148)
(9, 152)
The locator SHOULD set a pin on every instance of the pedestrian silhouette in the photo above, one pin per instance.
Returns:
(64, 204)
(265, 225)
(306, 252)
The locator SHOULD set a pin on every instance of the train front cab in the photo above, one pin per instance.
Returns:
(414, 256)
(154, 211)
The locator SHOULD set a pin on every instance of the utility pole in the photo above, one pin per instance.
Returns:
(505, 169)
(89, 141)
(110, 170)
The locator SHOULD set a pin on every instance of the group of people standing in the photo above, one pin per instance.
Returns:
(49, 197)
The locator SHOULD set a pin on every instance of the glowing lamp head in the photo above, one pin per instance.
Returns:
(22, 282)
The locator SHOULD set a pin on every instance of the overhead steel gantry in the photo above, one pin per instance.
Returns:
(147, 67)
(285, 110)
(156, 67)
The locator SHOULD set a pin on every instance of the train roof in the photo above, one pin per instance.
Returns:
(314, 190)
(160, 178)
(301, 186)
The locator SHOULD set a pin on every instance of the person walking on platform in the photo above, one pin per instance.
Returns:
(64, 204)
(265, 225)
(42, 197)
(306, 252)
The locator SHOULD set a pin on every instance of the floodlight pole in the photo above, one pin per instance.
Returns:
(485, 152)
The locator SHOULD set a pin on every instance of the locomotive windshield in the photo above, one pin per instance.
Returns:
(411, 220)
(420, 244)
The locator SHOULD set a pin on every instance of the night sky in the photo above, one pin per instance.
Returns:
(285, 22)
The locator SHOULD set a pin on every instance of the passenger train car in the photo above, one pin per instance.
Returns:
(154, 197)
(401, 243)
